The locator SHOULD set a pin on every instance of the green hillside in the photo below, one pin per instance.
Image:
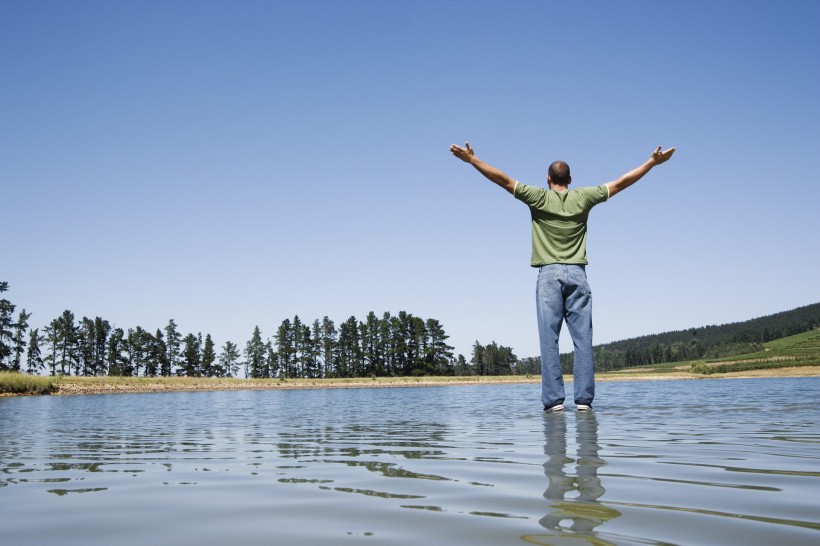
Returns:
(726, 343)
(788, 352)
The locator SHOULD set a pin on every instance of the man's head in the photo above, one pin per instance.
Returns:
(558, 174)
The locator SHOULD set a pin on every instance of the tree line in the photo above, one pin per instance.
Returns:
(386, 345)
(389, 345)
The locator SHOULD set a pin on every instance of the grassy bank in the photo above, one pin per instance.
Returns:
(20, 383)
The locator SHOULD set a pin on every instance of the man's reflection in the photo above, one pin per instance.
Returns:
(574, 493)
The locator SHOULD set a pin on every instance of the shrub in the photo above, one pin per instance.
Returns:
(701, 367)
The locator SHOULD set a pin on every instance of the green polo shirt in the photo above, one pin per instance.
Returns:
(559, 221)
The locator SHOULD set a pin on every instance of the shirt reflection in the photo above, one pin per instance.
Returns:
(574, 487)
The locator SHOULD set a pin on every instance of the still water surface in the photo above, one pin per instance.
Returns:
(678, 462)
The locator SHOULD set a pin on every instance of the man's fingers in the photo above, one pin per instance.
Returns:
(664, 155)
(459, 152)
(462, 153)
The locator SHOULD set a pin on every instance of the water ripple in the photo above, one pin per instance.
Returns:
(690, 462)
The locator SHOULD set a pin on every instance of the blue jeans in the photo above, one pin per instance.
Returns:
(562, 294)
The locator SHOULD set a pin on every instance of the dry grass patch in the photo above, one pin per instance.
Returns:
(22, 383)
(112, 384)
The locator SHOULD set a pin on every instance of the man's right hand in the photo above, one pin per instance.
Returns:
(465, 154)
(659, 157)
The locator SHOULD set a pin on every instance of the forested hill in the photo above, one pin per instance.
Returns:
(703, 342)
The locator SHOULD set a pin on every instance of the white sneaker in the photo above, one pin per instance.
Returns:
(556, 407)
(582, 407)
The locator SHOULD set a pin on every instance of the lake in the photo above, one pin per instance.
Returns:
(713, 461)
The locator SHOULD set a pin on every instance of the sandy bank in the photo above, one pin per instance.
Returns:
(112, 385)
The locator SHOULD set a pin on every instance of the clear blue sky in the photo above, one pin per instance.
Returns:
(234, 163)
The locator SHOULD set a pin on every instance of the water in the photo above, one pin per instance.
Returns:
(678, 462)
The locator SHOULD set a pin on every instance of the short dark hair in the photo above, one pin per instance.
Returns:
(559, 173)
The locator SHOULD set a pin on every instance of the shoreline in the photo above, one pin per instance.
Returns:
(68, 386)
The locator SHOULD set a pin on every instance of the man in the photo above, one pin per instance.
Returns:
(559, 232)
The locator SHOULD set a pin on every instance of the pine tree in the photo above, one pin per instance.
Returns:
(350, 350)
(255, 365)
(307, 358)
(462, 367)
(477, 359)
(271, 367)
(86, 338)
(6, 327)
(66, 341)
(305, 362)
(192, 356)
(328, 347)
(157, 355)
(369, 334)
(285, 349)
(387, 345)
(173, 344)
(116, 361)
(438, 355)
(34, 359)
(209, 368)
(229, 359)
(52, 338)
(138, 343)
(297, 337)
(102, 329)
(19, 340)
(399, 334)
(129, 346)
(498, 360)
(315, 351)
(416, 340)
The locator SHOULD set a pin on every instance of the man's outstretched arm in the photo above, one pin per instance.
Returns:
(467, 155)
(636, 174)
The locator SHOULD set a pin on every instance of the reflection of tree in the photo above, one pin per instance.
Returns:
(409, 441)
(582, 513)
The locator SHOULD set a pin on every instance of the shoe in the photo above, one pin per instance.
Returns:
(556, 407)
(583, 407)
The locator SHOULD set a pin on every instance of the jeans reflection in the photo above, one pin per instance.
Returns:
(573, 493)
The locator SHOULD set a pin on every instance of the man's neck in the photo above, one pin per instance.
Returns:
(558, 187)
